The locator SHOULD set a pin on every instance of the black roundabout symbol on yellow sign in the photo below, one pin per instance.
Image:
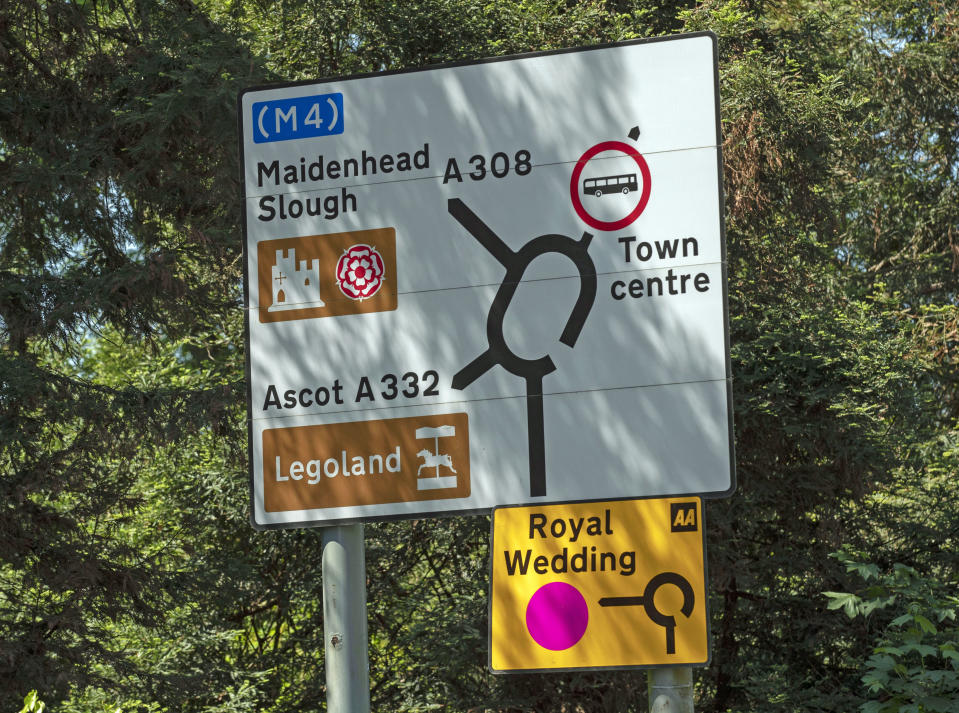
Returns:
(647, 601)
(533, 370)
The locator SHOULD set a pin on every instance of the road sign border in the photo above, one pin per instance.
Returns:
(489, 599)
(450, 65)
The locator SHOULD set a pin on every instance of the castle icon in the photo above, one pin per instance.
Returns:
(295, 287)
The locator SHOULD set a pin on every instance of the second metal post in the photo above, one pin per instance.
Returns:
(671, 690)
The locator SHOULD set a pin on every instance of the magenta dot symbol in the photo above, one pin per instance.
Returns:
(556, 616)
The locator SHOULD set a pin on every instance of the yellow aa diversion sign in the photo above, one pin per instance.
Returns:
(598, 585)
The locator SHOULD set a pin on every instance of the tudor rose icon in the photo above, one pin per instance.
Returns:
(359, 272)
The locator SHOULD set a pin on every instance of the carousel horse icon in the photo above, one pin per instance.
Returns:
(435, 460)
(532, 370)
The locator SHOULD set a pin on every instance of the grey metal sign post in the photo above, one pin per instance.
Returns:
(671, 690)
(344, 620)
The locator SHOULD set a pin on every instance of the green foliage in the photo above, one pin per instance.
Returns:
(914, 664)
(33, 704)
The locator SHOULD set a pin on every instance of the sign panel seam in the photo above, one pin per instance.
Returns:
(335, 184)
(284, 417)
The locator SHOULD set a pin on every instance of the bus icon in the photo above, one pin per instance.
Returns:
(623, 183)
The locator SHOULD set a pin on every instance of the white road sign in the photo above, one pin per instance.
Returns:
(486, 284)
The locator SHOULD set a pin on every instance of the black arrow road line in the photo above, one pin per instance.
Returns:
(537, 437)
(481, 231)
(474, 370)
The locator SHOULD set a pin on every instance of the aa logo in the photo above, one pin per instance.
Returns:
(682, 517)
